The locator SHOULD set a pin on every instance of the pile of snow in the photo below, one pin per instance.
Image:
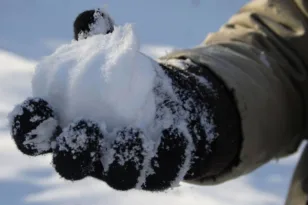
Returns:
(103, 78)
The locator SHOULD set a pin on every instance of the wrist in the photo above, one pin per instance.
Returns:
(214, 122)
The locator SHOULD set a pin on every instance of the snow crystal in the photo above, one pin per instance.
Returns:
(102, 78)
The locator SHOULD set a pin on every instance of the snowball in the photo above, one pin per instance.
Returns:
(103, 78)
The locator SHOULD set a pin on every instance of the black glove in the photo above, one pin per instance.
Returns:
(33, 126)
(188, 148)
(200, 139)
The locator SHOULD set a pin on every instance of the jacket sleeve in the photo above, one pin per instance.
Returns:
(260, 55)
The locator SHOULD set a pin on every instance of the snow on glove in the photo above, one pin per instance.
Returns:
(185, 144)
(133, 164)
(193, 114)
(77, 150)
(128, 160)
(33, 126)
(168, 161)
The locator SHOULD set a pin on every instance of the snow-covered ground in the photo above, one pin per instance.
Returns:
(32, 29)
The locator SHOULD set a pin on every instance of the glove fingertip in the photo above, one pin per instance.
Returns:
(32, 126)
(77, 150)
(123, 173)
(168, 162)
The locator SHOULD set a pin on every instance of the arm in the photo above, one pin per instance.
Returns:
(273, 34)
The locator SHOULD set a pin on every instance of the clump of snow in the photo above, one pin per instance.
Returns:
(129, 150)
(74, 140)
(103, 78)
(43, 135)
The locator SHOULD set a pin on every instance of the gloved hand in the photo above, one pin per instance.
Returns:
(188, 138)
(134, 160)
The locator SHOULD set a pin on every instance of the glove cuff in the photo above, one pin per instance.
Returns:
(217, 135)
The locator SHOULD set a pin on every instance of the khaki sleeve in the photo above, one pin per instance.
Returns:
(261, 54)
(279, 29)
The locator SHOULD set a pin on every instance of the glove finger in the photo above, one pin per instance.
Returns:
(168, 162)
(128, 158)
(77, 148)
(98, 171)
(33, 125)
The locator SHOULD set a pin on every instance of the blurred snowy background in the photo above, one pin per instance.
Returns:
(31, 29)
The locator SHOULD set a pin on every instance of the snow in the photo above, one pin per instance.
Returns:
(210, 127)
(73, 140)
(43, 132)
(188, 156)
(103, 78)
(148, 146)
